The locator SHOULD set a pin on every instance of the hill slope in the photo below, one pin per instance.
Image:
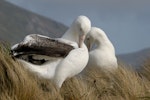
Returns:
(135, 59)
(15, 23)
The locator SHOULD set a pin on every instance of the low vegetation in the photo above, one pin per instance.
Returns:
(17, 83)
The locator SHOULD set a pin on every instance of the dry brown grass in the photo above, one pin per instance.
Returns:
(17, 83)
(146, 69)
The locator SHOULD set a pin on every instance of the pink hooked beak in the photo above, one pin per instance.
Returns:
(88, 45)
(81, 40)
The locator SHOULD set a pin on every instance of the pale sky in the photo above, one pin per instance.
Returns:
(126, 22)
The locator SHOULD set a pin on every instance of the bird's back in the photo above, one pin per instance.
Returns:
(102, 58)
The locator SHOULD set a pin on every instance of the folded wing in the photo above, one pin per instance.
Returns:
(35, 44)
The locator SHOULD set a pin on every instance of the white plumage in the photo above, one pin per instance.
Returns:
(103, 53)
(61, 68)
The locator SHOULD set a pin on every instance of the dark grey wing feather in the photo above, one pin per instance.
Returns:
(41, 45)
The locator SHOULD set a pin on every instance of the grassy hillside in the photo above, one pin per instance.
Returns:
(18, 83)
(15, 23)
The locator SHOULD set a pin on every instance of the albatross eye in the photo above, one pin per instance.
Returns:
(81, 30)
(88, 38)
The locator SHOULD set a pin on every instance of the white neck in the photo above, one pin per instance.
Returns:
(69, 35)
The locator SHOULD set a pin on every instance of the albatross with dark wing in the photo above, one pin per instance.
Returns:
(69, 53)
(103, 53)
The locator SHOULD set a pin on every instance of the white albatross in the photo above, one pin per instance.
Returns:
(103, 53)
(69, 53)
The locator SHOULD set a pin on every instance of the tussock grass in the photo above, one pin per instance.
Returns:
(17, 83)
(145, 71)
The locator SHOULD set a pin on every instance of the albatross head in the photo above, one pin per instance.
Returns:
(96, 37)
(81, 26)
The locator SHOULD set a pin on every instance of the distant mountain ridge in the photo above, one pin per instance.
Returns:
(16, 23)
(135, 59)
